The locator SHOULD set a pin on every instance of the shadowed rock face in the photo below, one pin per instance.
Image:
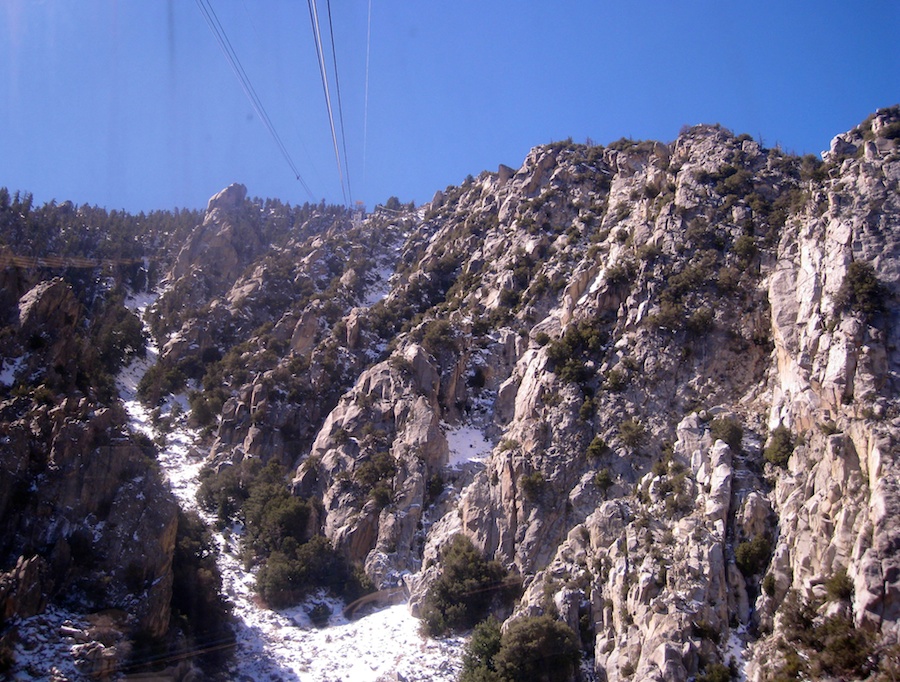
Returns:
(96, 509)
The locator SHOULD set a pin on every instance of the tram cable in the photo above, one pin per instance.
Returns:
(237, 68)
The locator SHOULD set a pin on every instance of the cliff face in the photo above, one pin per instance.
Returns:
(86, 520)
(658, 381)
(685, 356)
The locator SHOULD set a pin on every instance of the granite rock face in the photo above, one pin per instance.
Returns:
(658, 382)
(682, 304)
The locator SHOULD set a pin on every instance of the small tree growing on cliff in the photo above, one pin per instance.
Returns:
(780, 447)
(468, 587)
(534, 648)
(861, 291)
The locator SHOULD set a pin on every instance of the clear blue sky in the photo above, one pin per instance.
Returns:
(131, 103)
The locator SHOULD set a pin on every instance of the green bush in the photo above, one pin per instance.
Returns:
(632, 432)
(839, 586)
(198, 604)
(437, 336)
(832, 648)
(780, 447)
(669, 317)
(271, 514)
(752, 556)
(715, 672)
(861, 291)
(222, 492)
(581, 342)
(597, 448)
(603, 479)
(478, 657)
(727, 430)
(700, 322)
(537, 649)
(293, 561)
(616, 380)
(745, 248)
(468, 588)
(295, 571)
(532, 484)
(375, 475)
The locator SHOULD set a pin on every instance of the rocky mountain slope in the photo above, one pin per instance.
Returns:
(683, 356)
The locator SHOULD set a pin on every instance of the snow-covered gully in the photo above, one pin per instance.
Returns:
(285, 645)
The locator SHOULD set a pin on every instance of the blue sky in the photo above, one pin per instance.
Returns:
(131, 103)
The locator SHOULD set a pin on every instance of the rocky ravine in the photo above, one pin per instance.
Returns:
(685, 357)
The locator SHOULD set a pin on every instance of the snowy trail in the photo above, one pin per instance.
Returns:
(285, 645)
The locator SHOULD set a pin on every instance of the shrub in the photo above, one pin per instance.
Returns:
(467, 589)
(745, 248)
(478, 657)
(669, 317)
(727, 430)
(539, 649)
(700, 322)
(834, 647)
(293, 572)
(271, 514)
(222, 492)
(780, 447)
(616, 380)
(586, 411)
(861, 291)
(580, 343)
(603, 479)
(839, 586)
(715, 672)
(768, 584)
(376, 473)
(843, 651)
(597, 448)
(632, 432)
(752, 556)
(532, 484)
(198, 604)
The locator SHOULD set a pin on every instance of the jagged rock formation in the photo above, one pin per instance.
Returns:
(632, 326)
(684, 355)
(87, 521)
(648, 297)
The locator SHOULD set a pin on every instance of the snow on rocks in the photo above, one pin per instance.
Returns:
(379, 286)
(467, 444)
(9, 369)
(46, 645)
(286, 645)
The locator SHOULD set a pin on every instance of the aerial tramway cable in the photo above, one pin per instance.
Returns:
(314, 19)
(218, 31)
(337, 87)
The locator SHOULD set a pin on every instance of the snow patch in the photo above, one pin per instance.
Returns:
(379, 287)
(736, 649)
(286, 645)
(467, 444)
(9, 369)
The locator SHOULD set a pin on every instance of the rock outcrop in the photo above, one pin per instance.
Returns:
(679, 309)
(656, 381)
